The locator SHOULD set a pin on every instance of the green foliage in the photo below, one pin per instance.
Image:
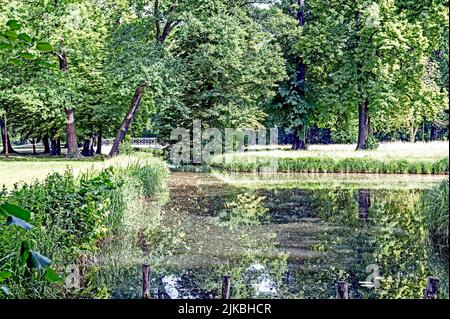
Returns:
(31, 259)
(246, 209)
(125, 147)
(343, 165)
(70, 216)
(435, 202)
(372, 143)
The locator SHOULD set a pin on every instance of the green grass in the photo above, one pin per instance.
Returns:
(391, 158)
(436, 208)
(27, 169)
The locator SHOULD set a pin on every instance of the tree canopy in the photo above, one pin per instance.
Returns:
(76, 70)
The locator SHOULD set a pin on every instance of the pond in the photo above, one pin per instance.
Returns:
(294, 236)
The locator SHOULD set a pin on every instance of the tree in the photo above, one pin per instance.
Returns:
(291, 108)
(356, 52)
(164, 19)
(231, 69)
(51, 100)
(21, 56)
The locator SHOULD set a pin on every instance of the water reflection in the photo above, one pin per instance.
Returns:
(294, 243)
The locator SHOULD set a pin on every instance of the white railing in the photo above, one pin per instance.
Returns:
(137, 142)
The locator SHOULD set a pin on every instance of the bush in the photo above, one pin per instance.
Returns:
(72, 217)
(125, 148)
(372, 143)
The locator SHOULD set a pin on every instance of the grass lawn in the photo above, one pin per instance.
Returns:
(27, 168)
(394, 150)
(22, 168)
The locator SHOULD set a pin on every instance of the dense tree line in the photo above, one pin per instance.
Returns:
(110, 68)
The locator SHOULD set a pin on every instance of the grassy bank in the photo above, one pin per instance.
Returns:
(435, 206)
(394, 158)
(74, 217)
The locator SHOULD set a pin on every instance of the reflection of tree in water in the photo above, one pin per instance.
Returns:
(244, 209)
(402, 251)
(384, 229)
(343, 241)
(331, 235)
(255, 274)
(364, 204)
(288, 205)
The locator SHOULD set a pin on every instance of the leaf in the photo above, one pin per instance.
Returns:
(25, 38)
(26, 55)
(52, 276)
(24, 251)
(4, 46)
(46, 64)
(44, 47)
(13, 25)
(36, 260)
(5, 290)
(12, 220)
(11, 35)
(17, 211)
(5, 275)
(16, 61)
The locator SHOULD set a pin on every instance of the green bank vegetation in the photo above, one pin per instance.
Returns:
(331, 165)
(73, 218)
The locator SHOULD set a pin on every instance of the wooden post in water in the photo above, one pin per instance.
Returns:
(226, 287)
(145, 281)
(342, 290)
(431, 290)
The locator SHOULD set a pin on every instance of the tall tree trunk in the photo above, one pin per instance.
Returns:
(128, 120)
(412, 135)
(433, 132)
(6, 141)
(88, 147)
(46, 144)
(364, 204)
(55, 147)
(99, 141)
(72, 145)
(363, 126)
(300, 143)
(34, 146)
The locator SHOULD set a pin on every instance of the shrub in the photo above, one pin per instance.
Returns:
(72, 217)
(125, 148)
(372, 143)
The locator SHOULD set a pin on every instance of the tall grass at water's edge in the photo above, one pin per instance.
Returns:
(435, 206)
(330, 165)
(437, 215)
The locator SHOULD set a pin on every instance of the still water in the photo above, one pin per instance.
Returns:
(279, 237)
